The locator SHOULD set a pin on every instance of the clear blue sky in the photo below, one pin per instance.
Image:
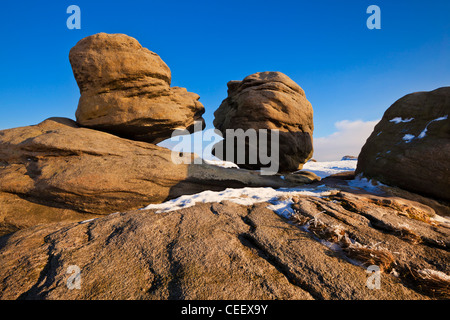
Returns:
(347, 71)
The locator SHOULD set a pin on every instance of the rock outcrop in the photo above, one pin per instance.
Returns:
(269, 100)
(125, 90)
(230, 251)
(69, 193)
(60, 165)
(410, 146)
(19, 211)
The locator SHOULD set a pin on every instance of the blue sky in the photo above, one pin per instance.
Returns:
(347, 71)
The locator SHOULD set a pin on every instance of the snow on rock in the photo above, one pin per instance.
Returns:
(398, 120)
(408, 137)
(363, 183)
(280, 199)
(86, 221)
(221, 163)
(322, 169)
(327, 168)
(424, 132)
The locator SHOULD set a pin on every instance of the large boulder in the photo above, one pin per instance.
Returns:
(125, 90)
(410, 146)
(59, 164)
(268, 100)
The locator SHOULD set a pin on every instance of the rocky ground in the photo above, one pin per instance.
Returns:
(230, 251)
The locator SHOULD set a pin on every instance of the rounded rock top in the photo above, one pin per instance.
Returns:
(102, 58)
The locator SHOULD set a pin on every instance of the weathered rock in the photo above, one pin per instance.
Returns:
(302, 177)
(125, 90)
(19, 212)
(59, 164)
(226, 251)
(269, 100)
(410, 146)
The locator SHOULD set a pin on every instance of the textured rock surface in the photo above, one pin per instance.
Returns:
(59, 164)
(270, 100)
(125, 89)
(18, 212)
(226, 251)
(410, 146)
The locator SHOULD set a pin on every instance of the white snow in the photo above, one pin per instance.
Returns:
(86, 221)
(244, 196)
(363, 183)
(220, 163)
(440, 118)
(327, 168)
(282, 208)
(280, 199)
(408, 137)
(398, 120)
(424, 131)
(322, 169)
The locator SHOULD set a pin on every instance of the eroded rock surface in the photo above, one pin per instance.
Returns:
(125, 90)
(229, 251)
(268, 100)
(410, 146)
(60, 165)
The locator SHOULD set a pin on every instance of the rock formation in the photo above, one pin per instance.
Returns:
(125, 90)
(68, 194)
(229, 251)
(410, 146)
(269, 100)
(59, 164)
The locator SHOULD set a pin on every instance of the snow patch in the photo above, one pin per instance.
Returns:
(280, 199)
(408, 137)
(363, 183)
(327, 168)
(440, 118)
(220, 163)
(423, 134)
(398, 120)
(424, 131)
(86, 221)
